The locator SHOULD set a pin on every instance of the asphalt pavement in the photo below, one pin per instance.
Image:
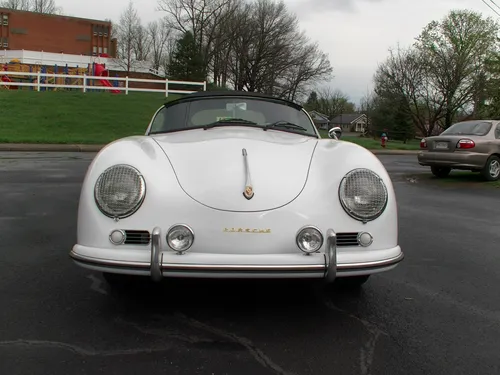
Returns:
(437, 313)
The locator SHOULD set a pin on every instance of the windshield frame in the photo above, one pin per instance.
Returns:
(314, 133)
(472, 123)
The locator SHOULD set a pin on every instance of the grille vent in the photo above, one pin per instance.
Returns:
(137, 237)
(347, 239)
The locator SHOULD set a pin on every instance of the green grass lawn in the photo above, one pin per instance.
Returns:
(74, 117)
(96, 118)
(374, 144)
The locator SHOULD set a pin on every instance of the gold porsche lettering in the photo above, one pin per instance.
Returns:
(246, 230)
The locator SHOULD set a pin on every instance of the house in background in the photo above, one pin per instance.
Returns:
(320, 120)
(350, 122)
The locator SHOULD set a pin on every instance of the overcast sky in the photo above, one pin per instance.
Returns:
(356, 34)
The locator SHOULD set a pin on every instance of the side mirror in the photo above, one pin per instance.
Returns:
(335, 132)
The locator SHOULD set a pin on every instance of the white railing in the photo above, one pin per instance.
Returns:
(40, 81)
(72, 61)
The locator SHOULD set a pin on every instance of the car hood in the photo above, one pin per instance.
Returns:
(210, 166)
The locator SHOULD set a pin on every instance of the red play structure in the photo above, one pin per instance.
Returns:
(7, 79)
(101, 71)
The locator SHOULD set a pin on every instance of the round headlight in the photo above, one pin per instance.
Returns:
(120, 191)
(309, 240)
(363, 194)
(180, 238)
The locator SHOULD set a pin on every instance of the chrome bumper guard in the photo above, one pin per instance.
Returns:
(156, 259)
(331, 256)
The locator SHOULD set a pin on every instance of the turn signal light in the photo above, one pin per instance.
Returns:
(423, 143)
(466, 143)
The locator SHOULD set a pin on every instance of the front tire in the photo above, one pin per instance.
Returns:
(440, 172)
(491, 170)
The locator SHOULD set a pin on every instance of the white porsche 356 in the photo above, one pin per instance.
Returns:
(236, 185)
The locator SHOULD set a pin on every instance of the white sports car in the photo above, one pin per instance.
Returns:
(233, 185)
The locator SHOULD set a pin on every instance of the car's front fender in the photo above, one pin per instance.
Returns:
(331, 162)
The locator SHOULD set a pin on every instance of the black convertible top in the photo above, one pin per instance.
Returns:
(248, 94)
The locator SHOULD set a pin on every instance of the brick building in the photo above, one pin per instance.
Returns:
(22, 30)
(31, 42)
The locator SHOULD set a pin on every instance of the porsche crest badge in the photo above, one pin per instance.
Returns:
(248, 193)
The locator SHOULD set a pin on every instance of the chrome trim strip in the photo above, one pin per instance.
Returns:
(156, 273)
(246, 267)
(331, 256)
(108, 262)
(374, 264)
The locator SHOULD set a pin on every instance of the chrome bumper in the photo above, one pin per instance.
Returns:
(156, 267)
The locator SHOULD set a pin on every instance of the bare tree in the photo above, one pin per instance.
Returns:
(114, 33)
(404, 76)
(160, 37)
(141, 43)
(203, 18)
(126, 34)
(16, 4)
(367, 106)
(272, 55)
(333, 102)
(254, 46)
(310, 66)
(45, 6)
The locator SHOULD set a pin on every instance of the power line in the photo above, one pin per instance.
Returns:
(489, 6)
(495, 4)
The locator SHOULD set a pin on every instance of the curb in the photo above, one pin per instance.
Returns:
(34, 147)
(394, 152)
(49, 147)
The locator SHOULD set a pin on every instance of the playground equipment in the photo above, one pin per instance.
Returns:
(7, 79)
(101, 71)
(96, 68)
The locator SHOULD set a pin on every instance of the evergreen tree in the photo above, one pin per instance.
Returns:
(312, 101)
(186, 63)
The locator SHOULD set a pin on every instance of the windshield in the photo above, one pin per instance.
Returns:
(232, 111)
(469, 128)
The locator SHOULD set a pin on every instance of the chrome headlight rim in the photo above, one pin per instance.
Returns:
(185, 226)
(140, 201)
(303, 229)
(353, 214)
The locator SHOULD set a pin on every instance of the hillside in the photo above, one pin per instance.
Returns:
(74, 117)
(96, 118)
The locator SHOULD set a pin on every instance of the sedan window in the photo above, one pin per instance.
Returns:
(469, 128)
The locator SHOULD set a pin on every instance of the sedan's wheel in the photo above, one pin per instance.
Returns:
(351, 282)
(440, 172)
(491, 171)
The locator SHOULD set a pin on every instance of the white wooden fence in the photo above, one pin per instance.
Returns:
(40, 81)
